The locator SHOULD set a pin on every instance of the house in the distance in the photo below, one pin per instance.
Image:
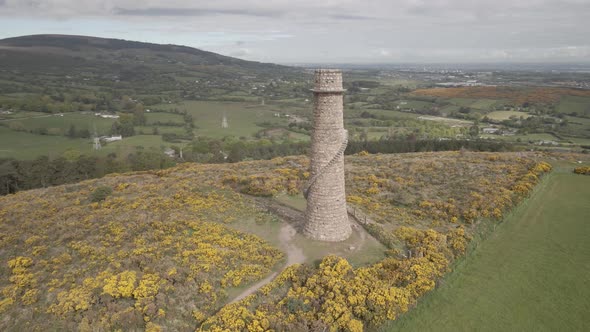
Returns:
(490, 130)
(111, 139)
(170, 152)
(107, 116)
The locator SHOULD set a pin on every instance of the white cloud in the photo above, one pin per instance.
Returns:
(331, 30)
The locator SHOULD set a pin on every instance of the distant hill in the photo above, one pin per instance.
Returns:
(66, 53)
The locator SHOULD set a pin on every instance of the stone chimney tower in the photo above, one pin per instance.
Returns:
(326, 217)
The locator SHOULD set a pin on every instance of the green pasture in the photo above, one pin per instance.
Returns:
(63, 122)
(152, 118)
(578, 120)
(484, 104)
(465, 102)
(450, 108)
(570, 104)
(580, 141)
(389, 114)
(149, 130)
(299, 137)
(22, 145)
(292, 106)
(579, 126)
(242, 118)
(475, 103)
(447, 121)
(531, 273)
(415, 104)
(20, 115)
(129, 144)
(535, 137)
(399, 82)
(505, 115)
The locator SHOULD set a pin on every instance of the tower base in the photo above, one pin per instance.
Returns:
(333, 226)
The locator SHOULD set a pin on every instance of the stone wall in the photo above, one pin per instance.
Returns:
(326, 214)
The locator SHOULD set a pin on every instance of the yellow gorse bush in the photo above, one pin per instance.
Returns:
(161, 252)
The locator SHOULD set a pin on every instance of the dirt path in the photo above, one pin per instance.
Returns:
(294, 256)
(292, 219)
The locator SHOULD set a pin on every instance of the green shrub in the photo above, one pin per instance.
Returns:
(100, 193)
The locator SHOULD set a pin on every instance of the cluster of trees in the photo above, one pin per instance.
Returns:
(401, 127)
(53, 98)
(16, 175)
(411, 144)
(230, 149)
(73, 132)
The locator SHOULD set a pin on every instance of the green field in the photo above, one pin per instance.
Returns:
(22, 145)
(523, 138)
(480, 104)
(466, 102)
(164, 118)
(20, 114)
(531, 274)
(388, 114)
(505, 115)
(570, 104)
(415, 104)
(149, 130)
(399, 82)
(128, 144)
(63, 123)
(241, 117)
(447, 121)
(484, 104)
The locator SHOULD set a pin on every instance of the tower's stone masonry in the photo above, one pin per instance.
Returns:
(326, 215)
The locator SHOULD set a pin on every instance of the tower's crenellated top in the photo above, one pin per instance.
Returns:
(328, 80)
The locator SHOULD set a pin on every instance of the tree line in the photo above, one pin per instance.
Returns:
(16, 175)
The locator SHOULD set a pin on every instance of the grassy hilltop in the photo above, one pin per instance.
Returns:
(68, 54)
(172, 249)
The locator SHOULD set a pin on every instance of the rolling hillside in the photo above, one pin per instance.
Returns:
(70, 53)
(174, 249)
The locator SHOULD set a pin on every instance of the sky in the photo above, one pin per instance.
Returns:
(326, 31)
